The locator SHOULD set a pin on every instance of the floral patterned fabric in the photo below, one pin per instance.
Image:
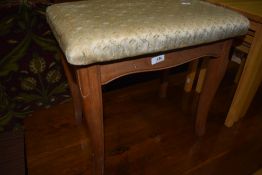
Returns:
(30, 71)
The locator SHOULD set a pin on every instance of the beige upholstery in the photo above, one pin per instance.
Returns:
(102, 30)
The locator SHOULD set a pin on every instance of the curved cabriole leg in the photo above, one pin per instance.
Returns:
(216, 68)
(74, 90)
(91, 93)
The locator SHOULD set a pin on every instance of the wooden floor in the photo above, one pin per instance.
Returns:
(147, 135)
(12, 159)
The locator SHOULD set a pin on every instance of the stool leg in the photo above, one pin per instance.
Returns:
(163, 83)
(90, 88)
(216, 68)
(77, 103)
(74, 90)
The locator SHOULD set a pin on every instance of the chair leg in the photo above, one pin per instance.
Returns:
(74, 91)
(216, 68)
(90, 88)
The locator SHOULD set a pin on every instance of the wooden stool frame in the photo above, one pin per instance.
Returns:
(85, 83)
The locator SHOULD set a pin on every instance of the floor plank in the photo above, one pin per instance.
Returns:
(12, 158)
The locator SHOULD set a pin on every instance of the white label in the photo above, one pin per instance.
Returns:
(157, 59)
(185, 2)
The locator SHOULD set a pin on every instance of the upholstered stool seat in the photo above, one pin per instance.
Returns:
(103, 30)
(106, 39)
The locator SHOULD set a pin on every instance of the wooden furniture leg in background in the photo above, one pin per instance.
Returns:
(201, 75)
(71, 80)
(89, 82)
(191, 75)
(199, 78)
(187, 105)
(194, 75)
(240, 70)
(249, 81)
(216, 68)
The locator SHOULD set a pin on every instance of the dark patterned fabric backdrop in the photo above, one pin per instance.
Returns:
(31, 75)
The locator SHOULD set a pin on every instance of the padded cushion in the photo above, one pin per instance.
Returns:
(104, 30)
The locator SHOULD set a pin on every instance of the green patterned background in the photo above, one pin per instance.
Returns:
(31, 75)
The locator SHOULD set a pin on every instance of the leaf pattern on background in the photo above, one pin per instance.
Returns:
(28, 83)
(8, 110)
(37, 65)
(43, 87)
(30, 72)
(45, 43)
(53, 76)
(6, 24)
(9, 62)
